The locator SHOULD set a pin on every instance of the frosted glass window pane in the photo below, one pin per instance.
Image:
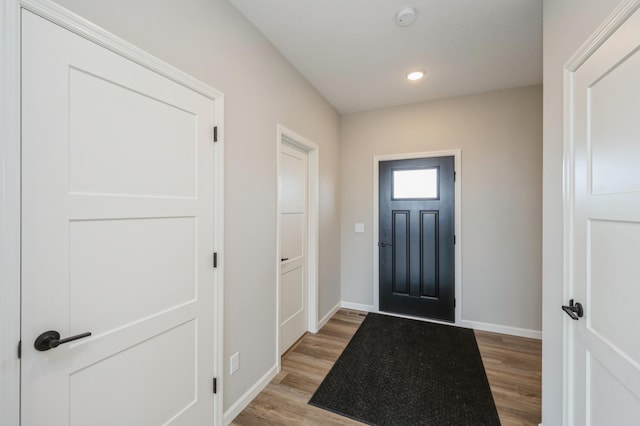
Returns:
(422, 183)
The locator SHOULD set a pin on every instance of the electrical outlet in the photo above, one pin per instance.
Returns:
(234, 363)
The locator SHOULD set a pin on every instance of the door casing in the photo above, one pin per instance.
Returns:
(10, 214)
(10, 169)
(457, 154)
(287, 136)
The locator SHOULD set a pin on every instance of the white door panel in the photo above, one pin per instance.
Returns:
(293, 189)
(163, 142)
(606, 395)
(135, 257)
(614, 132)
(110, 402)
(292, 294)
(604, 348)
(117, 237)
(612, 295)
(292, 226)
(293, 200)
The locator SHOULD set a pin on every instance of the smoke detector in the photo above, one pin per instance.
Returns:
(406, 16)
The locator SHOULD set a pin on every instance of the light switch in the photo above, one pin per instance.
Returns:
(359, 227)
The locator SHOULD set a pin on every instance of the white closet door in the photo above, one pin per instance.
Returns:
(293, 245)
(117, 238)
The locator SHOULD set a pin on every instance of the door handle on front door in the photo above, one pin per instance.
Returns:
(574, 311)
(381, 244)
(51, 340)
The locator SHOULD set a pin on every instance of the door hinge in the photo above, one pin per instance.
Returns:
(454, 239)
(454, 302)
(454, 176)
(215, 260)
(215, 133)
(20, 349)
(215, 385)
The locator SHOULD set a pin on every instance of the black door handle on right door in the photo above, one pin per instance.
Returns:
(574, 311)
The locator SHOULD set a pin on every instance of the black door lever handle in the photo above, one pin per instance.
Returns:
(574, 311)
(381, 244)
(51, 340)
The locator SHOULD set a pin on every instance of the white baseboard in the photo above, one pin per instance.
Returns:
(358, 306)
(327, 317)
(248, 396)
(503, 329)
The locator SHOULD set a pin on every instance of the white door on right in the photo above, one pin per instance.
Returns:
(293, 245)
(604, 345)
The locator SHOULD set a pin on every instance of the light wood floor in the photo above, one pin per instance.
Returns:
(513, 366)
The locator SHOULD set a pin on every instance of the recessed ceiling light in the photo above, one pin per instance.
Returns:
(415, 75)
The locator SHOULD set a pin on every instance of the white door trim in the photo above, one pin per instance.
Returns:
(10, 214)
(613, 22)
(457, 154)
(10, 184)
(287, 136)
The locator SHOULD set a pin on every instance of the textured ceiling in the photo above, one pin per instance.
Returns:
(356, 56)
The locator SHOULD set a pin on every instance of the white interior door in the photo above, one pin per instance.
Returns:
(117, 238)
(293, 245)
(604, 345)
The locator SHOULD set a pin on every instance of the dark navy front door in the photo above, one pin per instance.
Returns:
(416, 243)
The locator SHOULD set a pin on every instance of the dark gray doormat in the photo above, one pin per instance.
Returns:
(397, 371)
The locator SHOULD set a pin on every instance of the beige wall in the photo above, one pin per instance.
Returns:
(500, 135)
(566, 25)
(213, 42)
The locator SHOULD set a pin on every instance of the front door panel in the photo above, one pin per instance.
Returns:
(417, 237)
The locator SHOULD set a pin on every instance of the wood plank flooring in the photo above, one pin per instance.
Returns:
(513, 366)
(514, 369)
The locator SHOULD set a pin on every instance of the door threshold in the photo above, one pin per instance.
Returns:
(435, 321)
